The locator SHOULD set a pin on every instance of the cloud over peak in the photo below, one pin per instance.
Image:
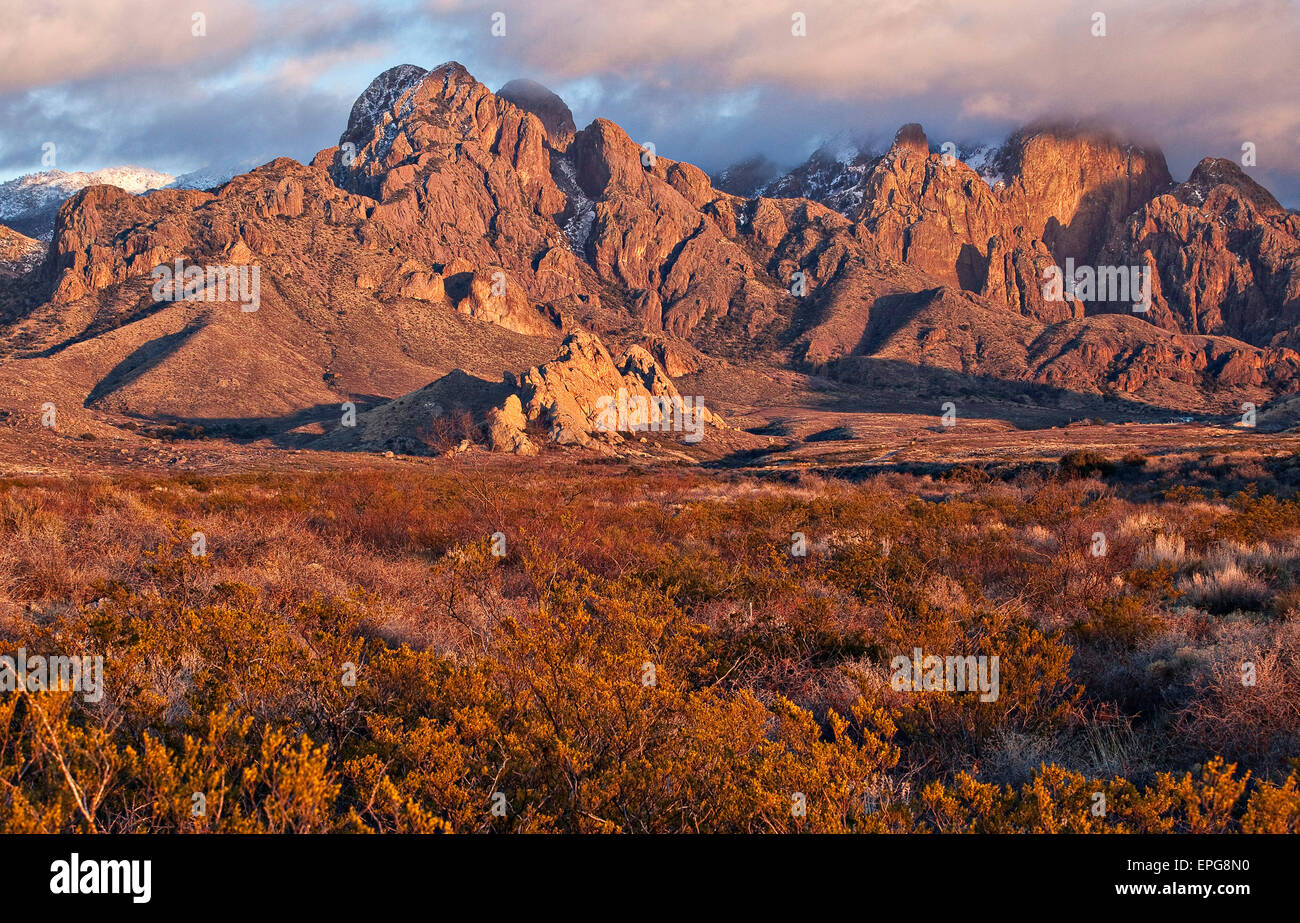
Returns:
(711, 81)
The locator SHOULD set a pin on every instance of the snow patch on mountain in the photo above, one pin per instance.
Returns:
(378, 99)
(836, 172)
(578, 228)
(18, 254)
(833, 176)
(983, 159)
(209, 177)
(29, 204)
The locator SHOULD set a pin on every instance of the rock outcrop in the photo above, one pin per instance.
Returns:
(506, 426)
(583, 396)
(580, 398)
(1065, 194)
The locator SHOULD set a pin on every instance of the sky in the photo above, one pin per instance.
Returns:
(110, 82)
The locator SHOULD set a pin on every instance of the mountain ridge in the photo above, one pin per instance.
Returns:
(454, 229)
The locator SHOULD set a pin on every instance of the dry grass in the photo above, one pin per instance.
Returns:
(1165, 549)
(1114, 664)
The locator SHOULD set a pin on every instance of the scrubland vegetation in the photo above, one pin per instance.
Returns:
(648, 654)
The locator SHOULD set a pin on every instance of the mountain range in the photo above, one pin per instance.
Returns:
(458, 232)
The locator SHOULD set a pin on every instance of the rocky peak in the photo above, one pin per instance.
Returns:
(460, 173)
(1072, 186)
(531, 96)
(1214, 172)
(1226, 257)
(1067, 192)
(408, 116)
(911, 137)
(379, 99)
(607, 160)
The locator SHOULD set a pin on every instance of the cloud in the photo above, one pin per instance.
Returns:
(113, 81)
(711, 81)
(1167, 50)
(62, 41)
(1198, 78)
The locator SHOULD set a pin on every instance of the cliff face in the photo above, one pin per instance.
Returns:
(1072, 188)
(1227, 257)
(1063, 195)
(1222, 249)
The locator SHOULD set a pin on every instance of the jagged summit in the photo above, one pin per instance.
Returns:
(1213, 172)
(382, 94)
(531, 96)
(912, 137)
(389, 96)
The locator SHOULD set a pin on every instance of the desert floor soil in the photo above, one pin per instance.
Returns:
(791, 438)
